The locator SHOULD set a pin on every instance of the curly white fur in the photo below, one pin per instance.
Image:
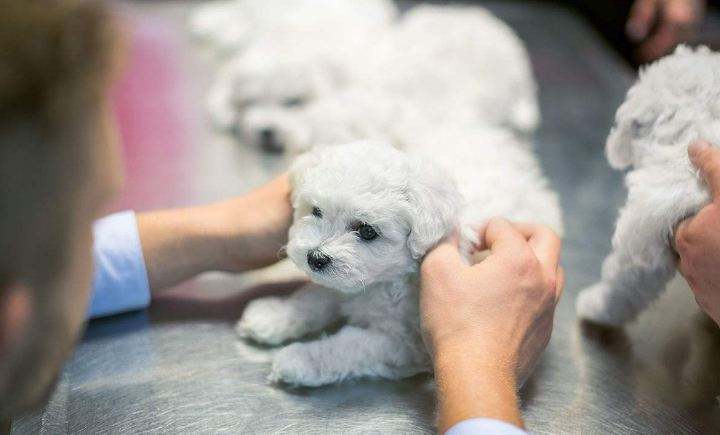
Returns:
(675, 101)
(412, 200)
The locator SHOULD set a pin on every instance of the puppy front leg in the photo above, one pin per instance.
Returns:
(274, 320)
(351, 353)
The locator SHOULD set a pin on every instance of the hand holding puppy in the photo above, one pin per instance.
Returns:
(235, 235)
(488, 323)
(697, 239)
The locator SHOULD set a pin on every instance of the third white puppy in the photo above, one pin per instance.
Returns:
(675, 101)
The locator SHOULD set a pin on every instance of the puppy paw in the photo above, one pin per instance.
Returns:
(592, 306)
(294, 365)
(267, 321)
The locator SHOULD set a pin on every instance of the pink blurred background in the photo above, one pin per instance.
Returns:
(154, 119)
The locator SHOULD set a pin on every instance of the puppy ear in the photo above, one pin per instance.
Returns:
(634, 121)
(299, 168)
(433, 206)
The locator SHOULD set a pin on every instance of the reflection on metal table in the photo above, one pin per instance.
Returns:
(180, 368)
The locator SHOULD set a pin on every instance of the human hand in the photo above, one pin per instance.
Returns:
(236, 235)
(254, 226)
(697, 239)
(488, 323)
(504, 304)
(660, 25)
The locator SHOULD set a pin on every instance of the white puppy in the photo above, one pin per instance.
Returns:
(675, 101)
(441, 64)
(365, 214)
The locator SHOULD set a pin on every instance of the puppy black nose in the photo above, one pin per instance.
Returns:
(269, 141)
(317, 260)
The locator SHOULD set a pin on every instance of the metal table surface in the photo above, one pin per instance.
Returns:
(179, 368)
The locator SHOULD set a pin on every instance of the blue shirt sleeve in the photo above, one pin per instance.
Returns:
(120, 281)
(484, 426)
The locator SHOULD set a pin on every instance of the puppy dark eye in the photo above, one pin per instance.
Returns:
(293, 102)
(317, 212)
(367, 232)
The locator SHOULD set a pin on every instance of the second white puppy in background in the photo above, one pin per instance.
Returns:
(440, 64)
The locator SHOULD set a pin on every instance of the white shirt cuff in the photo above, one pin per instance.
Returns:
(120, 282)
(484, 426)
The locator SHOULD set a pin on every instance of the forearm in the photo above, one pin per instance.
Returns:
(178, 244)
(471, 386)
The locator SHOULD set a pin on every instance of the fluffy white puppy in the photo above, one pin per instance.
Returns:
(365, 214)
(675, 101)
(441, 64)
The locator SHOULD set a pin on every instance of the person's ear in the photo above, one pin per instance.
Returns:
(15, 313)
(433, 206)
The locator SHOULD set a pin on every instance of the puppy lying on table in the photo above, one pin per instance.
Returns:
(365, 214)
(675, 101)
(438, 62)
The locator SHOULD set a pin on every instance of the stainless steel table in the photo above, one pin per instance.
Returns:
(179, 368)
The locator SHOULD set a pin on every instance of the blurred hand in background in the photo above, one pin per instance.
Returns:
(658, 26)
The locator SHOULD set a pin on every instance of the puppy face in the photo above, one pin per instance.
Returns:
(273, 128)
(343, 117)
(283, 73)
(366, 213)
(269, 98)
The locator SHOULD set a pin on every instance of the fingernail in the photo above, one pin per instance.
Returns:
(697, 147)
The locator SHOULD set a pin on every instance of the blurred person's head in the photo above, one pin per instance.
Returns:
(58, 168)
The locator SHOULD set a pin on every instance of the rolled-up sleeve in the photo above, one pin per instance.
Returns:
(484, 426)
(120, 281)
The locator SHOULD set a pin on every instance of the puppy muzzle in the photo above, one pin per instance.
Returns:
(317, 260)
